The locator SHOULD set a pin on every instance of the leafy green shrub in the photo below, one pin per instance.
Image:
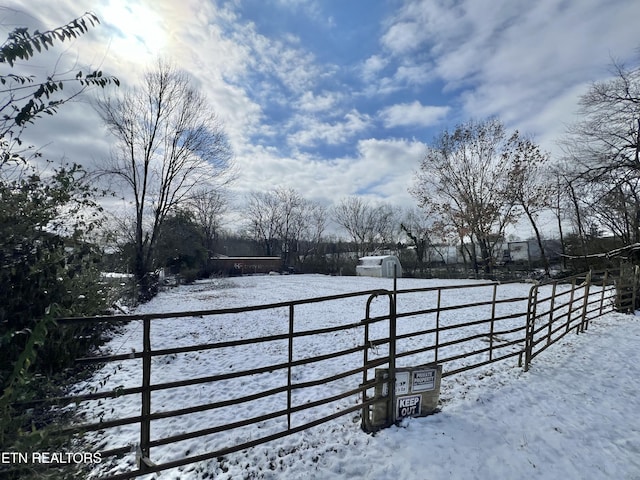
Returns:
(47, 267)
(47, 270)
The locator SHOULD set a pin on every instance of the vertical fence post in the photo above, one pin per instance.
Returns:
(365, 362)
(144, 453)
(636, 275)
(395, 284)
(531, 320)
(584, 324)
(493, 318)
(289, 372)
(392, 357)
(437, 326)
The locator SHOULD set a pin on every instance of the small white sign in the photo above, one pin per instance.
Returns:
(423, 380)
(408, 406)
(402, 383)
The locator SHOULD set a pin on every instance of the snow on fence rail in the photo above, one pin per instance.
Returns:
(295, 376)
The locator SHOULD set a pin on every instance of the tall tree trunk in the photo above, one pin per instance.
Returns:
(146, 281)
(581, 234)
(485, 251)
(545, 260)
(563, 249)
(474, 257)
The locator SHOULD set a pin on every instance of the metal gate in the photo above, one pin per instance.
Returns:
(373, 341)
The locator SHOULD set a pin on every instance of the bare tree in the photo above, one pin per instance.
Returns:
(291, 207)
(607, 136)
(208, 207)
(264, 217)
(352, 213)
(311, 229)
(422, 227)
(281, 219)
(579, 202)
(578, 214)
(616, 204)
(529, 179)
(465, 177)
(384, 219)
(367, 225)
(302, 226)
(603, 150)
(167, 143)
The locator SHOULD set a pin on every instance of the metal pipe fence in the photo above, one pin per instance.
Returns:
(448, 329)
(570, 306)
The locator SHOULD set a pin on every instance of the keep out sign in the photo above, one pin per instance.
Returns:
(408, 406)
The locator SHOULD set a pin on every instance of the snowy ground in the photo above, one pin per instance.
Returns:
(574, 415)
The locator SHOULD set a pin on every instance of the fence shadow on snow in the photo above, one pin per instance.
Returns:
(305, 376)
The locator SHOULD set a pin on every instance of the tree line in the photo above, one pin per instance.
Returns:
(475, 182)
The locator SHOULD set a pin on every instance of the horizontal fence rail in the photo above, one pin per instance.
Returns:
(457, 336)
(460, 327)
(332, 375)
(560, 307)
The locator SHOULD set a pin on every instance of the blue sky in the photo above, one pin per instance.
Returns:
(337, 98)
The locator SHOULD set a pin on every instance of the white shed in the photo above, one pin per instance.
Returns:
(379, 266)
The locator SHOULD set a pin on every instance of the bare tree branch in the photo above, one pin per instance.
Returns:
(167, 144)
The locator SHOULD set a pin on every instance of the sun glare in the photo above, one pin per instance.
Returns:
(140, 29)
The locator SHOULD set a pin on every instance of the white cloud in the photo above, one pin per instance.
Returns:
(315, 132)
(294, 67)
(404, 37)
(414, 74)
(412, 114)
(381, 169)
(513, 59)
(142, 32)
(309, 7)
(540, 55)
(205, 42)
(372, 66)
(310, 102)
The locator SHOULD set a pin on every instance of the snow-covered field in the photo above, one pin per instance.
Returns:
(573, 415)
